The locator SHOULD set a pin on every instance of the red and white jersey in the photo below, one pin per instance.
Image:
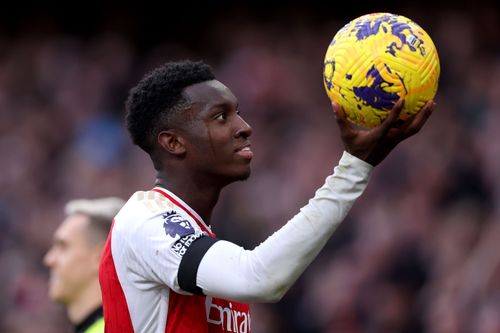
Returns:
(161, 260)
(140, 271)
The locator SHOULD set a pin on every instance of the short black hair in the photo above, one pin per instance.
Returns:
(156, 99)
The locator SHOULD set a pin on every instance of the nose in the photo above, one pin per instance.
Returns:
(244, 129)
(48, 259)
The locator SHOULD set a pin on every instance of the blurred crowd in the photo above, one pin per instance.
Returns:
(419, 251)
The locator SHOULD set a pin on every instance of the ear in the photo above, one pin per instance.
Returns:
(172, 142)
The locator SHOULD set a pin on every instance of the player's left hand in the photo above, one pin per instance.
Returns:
(373, 145)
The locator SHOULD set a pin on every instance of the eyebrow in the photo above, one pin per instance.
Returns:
(225, 104)
(58, 241)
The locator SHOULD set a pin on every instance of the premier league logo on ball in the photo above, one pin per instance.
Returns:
(174, 224)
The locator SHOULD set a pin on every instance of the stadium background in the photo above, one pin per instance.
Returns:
(419, 251)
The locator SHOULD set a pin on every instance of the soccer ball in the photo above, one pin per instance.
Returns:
(375, 60)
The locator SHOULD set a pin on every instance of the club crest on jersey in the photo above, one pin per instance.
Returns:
(174, 224)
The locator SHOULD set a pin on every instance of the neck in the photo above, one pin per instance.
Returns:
(87, 301)
(201, 197)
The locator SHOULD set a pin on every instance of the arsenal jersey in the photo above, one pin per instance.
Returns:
(148, 271)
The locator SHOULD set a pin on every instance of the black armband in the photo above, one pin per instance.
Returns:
(188, 268)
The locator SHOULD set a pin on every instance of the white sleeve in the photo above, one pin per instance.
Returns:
(265, 273)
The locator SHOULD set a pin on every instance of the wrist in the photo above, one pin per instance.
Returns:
(350, 159)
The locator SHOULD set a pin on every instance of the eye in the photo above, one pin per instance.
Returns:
(221, 116)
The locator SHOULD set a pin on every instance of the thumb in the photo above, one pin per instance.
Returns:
(341, 118)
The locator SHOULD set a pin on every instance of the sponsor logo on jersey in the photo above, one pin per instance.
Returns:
(180, 247)
(176, 225)
(229, 316)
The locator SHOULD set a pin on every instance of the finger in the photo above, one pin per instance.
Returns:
(341, 118)
(391, 120)
(419, 119)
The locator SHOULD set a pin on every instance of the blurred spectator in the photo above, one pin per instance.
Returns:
(73, 260)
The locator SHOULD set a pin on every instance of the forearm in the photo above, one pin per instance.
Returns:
(267, 272)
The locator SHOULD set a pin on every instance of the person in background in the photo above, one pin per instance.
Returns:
(73, 260)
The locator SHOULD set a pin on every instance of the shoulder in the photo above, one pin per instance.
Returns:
(147, 203)
(151, 213)
(143, 206)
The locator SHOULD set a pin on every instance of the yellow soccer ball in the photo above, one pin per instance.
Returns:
(375, 60)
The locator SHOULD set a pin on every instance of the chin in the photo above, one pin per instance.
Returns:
(55, 296)
(56, 293)
(241, 176)
(245, 175)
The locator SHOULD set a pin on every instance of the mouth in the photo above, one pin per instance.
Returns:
(53, 279)
(245, 152)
